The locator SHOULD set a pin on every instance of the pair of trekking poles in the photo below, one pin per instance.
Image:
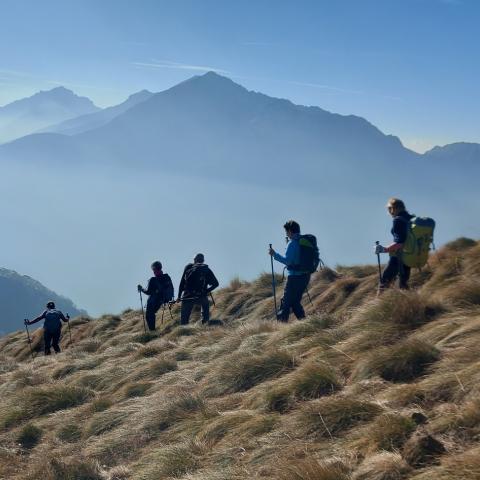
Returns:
(30, 340)
(163, 311)
(274, 287)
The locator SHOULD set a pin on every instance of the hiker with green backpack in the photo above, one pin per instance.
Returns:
(412, 238)
(301, 260)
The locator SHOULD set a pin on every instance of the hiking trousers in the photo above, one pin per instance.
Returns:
(187, 307)
(292, 297)
(394, 268)
(52, 337)
(153, 306)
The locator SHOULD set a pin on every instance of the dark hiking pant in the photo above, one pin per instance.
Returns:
(187, 307)
(292, 297)
(153, 306)
(52, 337)
(394, 268)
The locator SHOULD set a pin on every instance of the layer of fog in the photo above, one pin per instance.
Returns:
(92, 234)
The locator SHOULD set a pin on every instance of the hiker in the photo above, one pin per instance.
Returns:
(198, 281)
(396, 266)
(301, 260)
(159, 291)
(52, 327)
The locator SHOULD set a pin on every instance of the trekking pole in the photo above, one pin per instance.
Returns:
(170, 310)
(69, 329)
(273, 285)
(29, 340)
(379, 266)
(213, 301)
(309, 297)
(143, 312)
(163, 312)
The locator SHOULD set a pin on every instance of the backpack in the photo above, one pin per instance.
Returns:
(196, 278)
(419, 239)
(309, 254)
(167, 288)
(164, 290)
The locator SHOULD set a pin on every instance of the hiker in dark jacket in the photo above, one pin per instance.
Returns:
(159, 291)
(52, 327)
(198, 281)
(395, 266)
(297, 281)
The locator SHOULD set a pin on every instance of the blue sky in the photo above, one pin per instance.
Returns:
(411, 67)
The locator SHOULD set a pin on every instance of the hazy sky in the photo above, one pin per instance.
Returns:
(411, 67)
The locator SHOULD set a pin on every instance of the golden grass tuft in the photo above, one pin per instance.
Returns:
(402, 362)
(312, 469)
(389, 432)
(29, 436)
(383, 466)
(331, 416)
(241, 372)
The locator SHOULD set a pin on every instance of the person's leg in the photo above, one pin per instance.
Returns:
(187, 307)
(47, 338)
(390, 273)
(301, 283)
(151, 310)
(404, 276)
(287, 300)
(56, 339)
(205, 309)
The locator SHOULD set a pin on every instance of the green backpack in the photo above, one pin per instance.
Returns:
(419, 242)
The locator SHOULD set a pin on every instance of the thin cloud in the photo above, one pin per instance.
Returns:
(157, 64)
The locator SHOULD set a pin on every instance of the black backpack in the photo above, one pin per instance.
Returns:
(165, 288)
(309, 254)
(196, 278)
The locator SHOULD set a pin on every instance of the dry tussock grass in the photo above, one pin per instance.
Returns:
(256, 399)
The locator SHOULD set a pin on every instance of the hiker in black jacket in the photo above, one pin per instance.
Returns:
(159, 291)
(52, 327)
(198, 281)
(396, 267)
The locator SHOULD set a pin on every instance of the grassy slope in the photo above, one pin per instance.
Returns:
(329, 398)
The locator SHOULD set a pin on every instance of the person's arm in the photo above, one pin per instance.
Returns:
(150, 290)
(182, 284)
(400, 232)
(35, 320)
(63, 318)
(290, 254)
(212, 281)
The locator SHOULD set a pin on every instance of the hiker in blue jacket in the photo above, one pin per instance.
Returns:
(52, 327)
(297, 280)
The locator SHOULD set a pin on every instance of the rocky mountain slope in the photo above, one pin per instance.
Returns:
(365, 388)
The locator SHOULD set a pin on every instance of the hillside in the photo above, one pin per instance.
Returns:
(365, 388)
(45, 108)
(24, 297)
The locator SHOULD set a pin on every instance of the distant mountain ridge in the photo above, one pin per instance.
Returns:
(97, 119)
(24, 297)
(44, 108)
(211, 126)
